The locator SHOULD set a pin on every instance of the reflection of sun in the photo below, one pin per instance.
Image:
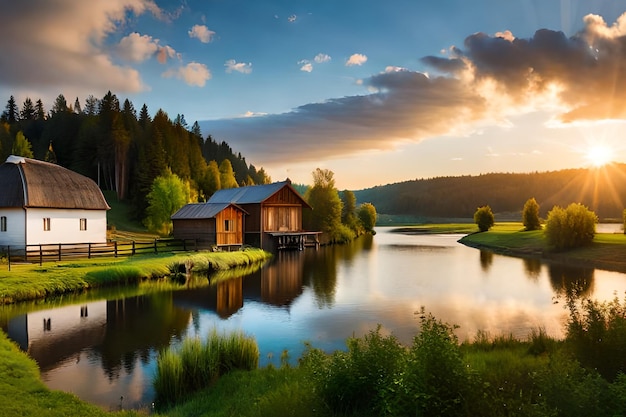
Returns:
(599, 155)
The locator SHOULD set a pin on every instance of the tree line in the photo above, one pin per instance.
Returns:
(121, 149)
(603, 190)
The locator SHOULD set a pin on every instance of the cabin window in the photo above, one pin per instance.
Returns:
(83, 224)
(46, 224)
(228, 225)
(3, 224)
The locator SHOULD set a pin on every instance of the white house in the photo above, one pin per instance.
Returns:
(44, 203)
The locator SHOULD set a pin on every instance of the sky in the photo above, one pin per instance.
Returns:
(376, 92)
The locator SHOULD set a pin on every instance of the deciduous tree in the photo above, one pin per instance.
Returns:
(530, 215)
(167, 194)
(367, 216)
(571, 227)
(324, 198)
(21, 146)
(484, 218)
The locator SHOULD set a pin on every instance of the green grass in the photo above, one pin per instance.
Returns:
(22, 393)
(605, 252)
(28, 282)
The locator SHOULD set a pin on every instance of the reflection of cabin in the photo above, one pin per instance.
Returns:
(274, 219)
(44, 203)
(209, 224)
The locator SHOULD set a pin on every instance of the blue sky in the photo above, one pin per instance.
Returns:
(377, 92)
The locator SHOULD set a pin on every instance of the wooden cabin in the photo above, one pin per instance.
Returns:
(43, 203)
(274, 215)
(210, 224)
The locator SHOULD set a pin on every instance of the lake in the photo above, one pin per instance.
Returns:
(102, 346)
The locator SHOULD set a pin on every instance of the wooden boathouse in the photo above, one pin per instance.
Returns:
(273, 219)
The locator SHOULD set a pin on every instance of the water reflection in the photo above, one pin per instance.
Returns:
(486, 259)
(570, 281)
(104, 349)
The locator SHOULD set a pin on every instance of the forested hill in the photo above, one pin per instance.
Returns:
(122, 149)
(603, 190)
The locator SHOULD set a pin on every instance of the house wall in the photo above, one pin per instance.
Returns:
(65, 226)
(233, 236)
(16, 226)
(201, 229)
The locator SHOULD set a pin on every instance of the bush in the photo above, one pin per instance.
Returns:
(530, 215)
(435, 381)
(356, 380)
(483, 217)
(572, 227)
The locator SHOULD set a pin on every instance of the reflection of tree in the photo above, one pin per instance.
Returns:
(532, 266)
(486, 259)
(321, 274)
(135, 327)
(571, 281)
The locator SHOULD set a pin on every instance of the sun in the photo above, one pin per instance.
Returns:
(599, 155)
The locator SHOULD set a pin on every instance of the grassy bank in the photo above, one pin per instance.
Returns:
(28, 282)
(605, 252)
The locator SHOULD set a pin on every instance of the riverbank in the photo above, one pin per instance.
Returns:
(31, 281)
(605, 252)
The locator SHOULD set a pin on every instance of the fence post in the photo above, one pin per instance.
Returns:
(40, 254)
(115, 246)
(184, 245)
(89, 250)
(133, 248)
(9, 256)
(59, 252)
(155, 246)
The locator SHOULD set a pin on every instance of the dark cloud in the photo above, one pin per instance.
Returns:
(406, 106)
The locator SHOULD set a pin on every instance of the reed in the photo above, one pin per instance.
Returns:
(196, 365)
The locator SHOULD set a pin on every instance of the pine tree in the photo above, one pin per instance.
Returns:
(28, 110)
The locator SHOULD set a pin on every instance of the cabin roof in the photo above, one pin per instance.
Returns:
(202, 210)
(252, 194)
(26, 182)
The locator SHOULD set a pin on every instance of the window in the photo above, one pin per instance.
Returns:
(83, 224)
(46, 224)
(228, 225)
(3, 224)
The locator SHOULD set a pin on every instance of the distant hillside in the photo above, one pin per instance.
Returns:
(603, 190)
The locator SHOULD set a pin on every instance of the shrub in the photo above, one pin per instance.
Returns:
(435, 380)
(572, 227)
(530, 215)
(596, 333)
(356, 380)
(483, 217)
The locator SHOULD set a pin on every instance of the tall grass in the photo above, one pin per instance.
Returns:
(196, 365)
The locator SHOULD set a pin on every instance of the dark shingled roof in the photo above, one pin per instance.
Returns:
(28, 182)
(252, 194)
(202, 210)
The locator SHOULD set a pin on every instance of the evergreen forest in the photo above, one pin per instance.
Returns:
(121, 149)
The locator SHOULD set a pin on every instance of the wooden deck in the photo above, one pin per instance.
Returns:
(295, 240)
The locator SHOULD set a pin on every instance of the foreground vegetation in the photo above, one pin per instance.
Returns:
(582, 375)
(28, 282)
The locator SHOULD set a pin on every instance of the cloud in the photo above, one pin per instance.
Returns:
(306, 65)
(484, 82)
(137, 48)
(584, 73)
(201, 32)
(407, 106)
(68, 38)
(231, 65)
(356, 59)
(321, 58)
(193, 74)
(165, 52)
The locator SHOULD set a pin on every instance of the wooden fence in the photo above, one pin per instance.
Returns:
(58, 252)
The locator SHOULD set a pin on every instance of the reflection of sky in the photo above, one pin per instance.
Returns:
(385, 285)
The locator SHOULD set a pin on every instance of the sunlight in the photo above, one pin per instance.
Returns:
(599, 155)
